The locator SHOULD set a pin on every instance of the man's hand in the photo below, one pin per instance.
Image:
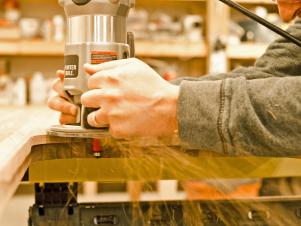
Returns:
(132, 99)
(59, 103)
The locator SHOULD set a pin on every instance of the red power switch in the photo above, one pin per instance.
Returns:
(96, 148)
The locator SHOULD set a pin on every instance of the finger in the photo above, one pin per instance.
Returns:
(97, 98)
(92, 98)
(58, 103)
(67, 119)
(103, 79)
(92, 69)
(98, 119)
(58, 87)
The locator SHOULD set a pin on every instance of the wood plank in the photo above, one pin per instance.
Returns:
(18, 127)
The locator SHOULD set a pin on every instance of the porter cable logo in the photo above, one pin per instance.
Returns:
(70, 69)
(98, 57)
(71, 66)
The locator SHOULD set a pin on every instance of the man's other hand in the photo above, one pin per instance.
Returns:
(58, 101)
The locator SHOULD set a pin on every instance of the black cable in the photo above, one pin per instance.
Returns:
(263, 22)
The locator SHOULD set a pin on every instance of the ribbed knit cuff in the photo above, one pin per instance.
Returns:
(199, 110)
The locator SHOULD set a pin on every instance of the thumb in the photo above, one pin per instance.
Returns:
(60, 74)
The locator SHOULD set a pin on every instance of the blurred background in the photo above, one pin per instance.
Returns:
(177, 38)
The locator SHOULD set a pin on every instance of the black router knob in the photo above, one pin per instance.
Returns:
(81, 2)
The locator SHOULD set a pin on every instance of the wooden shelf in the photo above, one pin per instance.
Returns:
(143, 49)
(246, 51)
(139, 1)
(171, 49)
(269, 2)
(31, 48)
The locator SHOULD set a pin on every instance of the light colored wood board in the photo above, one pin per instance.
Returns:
(8, 188)
(18, 126)
(13, 169)
(13, 119)
(21, 128)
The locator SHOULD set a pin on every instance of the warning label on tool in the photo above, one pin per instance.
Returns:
(71, 66)
(98, 57)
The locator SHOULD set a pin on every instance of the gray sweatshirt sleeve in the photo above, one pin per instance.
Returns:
(254, 111)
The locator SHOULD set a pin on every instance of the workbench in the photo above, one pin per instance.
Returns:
(24, 144)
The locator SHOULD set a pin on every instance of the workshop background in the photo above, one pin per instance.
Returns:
(177, 38)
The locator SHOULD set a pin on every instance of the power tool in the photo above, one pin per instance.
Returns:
(96, 33)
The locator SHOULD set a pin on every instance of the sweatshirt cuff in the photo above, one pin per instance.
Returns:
(199, 108)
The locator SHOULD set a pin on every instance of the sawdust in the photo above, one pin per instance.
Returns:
(206, 209)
